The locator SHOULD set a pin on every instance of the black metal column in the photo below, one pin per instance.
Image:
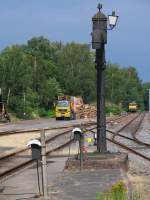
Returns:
(101, 118)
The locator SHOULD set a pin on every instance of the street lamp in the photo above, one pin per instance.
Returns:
(112, 20)
(99, 38)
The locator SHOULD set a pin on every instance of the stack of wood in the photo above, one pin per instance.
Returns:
(79, 107)
(93, 112)
(89, 111)
(83, 110)
(80, 112)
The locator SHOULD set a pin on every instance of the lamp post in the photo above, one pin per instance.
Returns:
(99, 39)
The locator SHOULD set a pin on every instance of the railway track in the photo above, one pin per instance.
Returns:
(109, 121)
(129, 149)
(9, 164)
(133, 133)
(17, 160)
(5, 133)
(126, 125)
(117, 133)
(133, 138)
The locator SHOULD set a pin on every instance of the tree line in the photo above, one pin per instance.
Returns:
(34, 74)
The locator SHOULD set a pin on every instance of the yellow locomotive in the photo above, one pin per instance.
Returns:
(132, 107)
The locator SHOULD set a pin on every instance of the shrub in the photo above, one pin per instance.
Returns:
(42, 112)
(117, 192)
(114, 109)
(51, 113)
(46, 113)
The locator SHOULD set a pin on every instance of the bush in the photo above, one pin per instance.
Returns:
(51, 113)
(46, 113)
(42, 112)
(114, 109)
(117, 192)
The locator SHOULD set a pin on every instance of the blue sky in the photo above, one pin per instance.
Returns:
(70, 20)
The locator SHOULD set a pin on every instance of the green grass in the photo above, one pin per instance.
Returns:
(117, 192)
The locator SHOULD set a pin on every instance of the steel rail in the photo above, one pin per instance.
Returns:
(127, 124)
(24, 164)
(134, 134)
(16, 154)
(123, 136)
(27, 163)
(110, 121)
(3, 133)
(128, 149)
(134, 139)
(27, 148)
(30, 161)
(7, 173)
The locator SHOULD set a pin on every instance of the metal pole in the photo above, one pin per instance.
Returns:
(101, 118)
(81, 152)
(112, 88)
(44, 167)
(37, 164)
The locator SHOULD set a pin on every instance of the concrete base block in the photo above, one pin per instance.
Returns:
(96, 161)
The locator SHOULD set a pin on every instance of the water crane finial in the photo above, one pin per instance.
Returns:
(99, 6)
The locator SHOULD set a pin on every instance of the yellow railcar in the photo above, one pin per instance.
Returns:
(132, 107)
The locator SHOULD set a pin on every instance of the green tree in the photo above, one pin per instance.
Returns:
(34, 74)
(76, 72)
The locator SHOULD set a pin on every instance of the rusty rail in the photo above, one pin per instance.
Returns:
(134, 139)
(23, 164)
